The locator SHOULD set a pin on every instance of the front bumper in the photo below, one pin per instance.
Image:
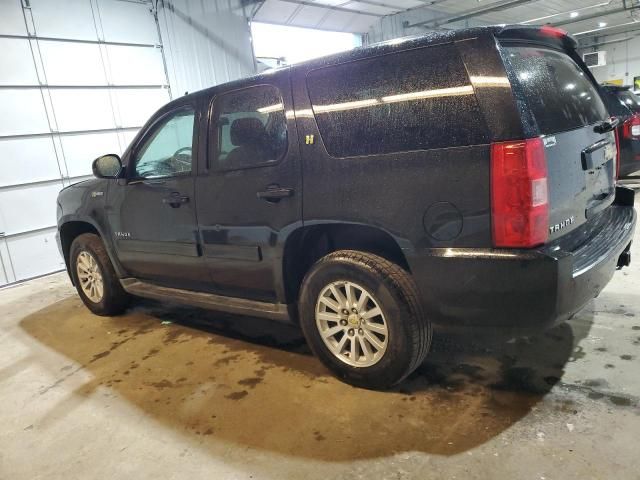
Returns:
(525, 289)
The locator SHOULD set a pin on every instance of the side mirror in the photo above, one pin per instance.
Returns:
(107, 166)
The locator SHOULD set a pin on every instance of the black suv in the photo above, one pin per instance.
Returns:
(625, 105)
(460, 179)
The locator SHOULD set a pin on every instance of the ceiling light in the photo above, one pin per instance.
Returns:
(574, 14)
(602, 24)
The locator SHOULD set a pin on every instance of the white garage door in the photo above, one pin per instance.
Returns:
(78, 79)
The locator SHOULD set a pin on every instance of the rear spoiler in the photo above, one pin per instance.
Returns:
(545, 34)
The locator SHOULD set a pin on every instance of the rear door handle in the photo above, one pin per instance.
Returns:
(275, 193)
(607, 125)
(175, 199)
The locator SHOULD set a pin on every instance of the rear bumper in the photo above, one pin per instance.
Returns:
(525, 289)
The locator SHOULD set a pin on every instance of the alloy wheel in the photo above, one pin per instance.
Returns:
(89, 276)
(351, 324)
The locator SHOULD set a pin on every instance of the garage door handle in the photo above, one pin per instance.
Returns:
(175, 200)
(275, 193)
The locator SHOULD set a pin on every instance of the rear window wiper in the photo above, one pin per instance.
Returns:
(606, 125)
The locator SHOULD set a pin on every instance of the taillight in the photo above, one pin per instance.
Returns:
(631, 127)
(519, 193)
(553, 31)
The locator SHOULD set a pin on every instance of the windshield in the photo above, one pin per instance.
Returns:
(557, 91)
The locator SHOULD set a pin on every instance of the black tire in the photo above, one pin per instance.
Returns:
(409, 332)
(114, 299)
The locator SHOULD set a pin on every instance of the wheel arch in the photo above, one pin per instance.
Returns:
(71, 229)
(307, 244)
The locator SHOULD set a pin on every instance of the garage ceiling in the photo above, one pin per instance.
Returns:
(358, 15)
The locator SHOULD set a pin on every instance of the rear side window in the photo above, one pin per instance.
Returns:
(249, 126)
(558, 93)
(414, 100)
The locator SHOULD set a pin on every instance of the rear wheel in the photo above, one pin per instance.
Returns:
(94, 277)
(361, 316)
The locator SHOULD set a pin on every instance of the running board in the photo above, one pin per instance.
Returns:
(241, 306)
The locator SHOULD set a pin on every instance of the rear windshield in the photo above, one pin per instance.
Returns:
(630, 100)
(558, 93)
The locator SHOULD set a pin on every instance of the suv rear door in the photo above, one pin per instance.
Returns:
(249, 194)
(559, 101)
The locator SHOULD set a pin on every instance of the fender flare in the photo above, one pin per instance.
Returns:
(106, 239)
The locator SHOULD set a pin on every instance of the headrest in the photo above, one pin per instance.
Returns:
(247, 131)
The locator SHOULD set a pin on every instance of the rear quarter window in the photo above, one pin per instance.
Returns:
(414, 100)
(557, 91)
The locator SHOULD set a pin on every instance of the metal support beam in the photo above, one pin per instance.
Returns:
(374, 3)
(538, 20)
(43, 182)
(593, 15)
(431, 3)
(608, 42)
(474, 12)
(611, 30)
(83, 87)
(331, 7)
(75, 40)
(67, 132)
(425, 3)
(380, 4)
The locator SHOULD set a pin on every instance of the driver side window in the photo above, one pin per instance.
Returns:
(168, 152)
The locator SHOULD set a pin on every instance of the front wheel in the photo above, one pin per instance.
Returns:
(362, 318)
(94, 277)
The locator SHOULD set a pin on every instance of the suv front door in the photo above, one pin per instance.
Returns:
(250, 195)
(152, 212)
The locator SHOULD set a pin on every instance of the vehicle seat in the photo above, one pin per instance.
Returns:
(249, 137)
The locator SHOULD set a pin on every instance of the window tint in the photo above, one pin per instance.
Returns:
(414, 100)
(561, 97)
(250, 127)
(168, 152)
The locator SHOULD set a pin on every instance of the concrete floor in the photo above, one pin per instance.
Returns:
(174, 392)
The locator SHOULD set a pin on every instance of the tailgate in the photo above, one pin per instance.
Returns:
(560, 102)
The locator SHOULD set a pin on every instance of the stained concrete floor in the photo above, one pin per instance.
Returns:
(173, 392)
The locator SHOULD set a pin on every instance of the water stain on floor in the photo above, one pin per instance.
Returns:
(255, 383)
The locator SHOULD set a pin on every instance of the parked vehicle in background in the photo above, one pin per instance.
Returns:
(623, 104)
(464, 179)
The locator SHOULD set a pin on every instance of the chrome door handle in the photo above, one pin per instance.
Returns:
(175, 199)
(275, 193)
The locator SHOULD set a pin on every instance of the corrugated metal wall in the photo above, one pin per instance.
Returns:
(623, 59)
(78, 78)
(205, 43)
